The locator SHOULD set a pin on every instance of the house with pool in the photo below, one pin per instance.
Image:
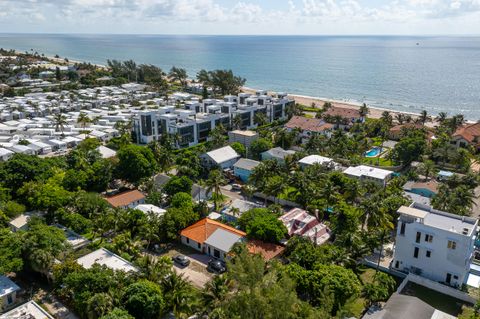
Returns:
(425, 189)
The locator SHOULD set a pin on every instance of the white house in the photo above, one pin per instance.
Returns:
(368, 173)
(8, 293)
(223, 157)
(5, 154)
(29, 310)
(19, 223)
(105, 257)
(316, 159)
(211, 237)
(434, 244)
(149, 208)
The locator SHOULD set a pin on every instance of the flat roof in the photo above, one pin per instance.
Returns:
(412, 212)
(313, 159)
(146, 208)
(20, 221)
(441, 220)
(105, 257)
(363, 170)
(7, 286)
(244, 133)
(29, 310)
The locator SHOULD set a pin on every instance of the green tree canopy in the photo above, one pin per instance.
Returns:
(135, 163)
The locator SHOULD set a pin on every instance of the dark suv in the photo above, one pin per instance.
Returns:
(216, 266)
(181, 260)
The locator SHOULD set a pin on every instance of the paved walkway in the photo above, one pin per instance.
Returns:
(54, 306)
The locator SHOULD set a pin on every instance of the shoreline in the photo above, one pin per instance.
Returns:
(374, 111)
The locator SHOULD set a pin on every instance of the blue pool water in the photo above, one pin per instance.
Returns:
(374, 152)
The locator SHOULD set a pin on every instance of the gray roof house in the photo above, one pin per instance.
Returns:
(277, 154)
(223, 157)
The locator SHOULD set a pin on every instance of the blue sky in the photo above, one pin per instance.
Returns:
(242, 17)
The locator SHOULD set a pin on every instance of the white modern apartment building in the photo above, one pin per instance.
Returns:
(434, 244)
(193, 120)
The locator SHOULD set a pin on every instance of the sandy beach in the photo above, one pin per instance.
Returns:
(374, 112)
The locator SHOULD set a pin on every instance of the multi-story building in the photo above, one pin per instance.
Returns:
(192, 123)
(434, 244)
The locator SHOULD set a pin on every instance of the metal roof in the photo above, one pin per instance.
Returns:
(223, 239)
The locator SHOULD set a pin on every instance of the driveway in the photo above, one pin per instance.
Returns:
(196, 272)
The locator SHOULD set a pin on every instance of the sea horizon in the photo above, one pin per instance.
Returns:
(407, 73)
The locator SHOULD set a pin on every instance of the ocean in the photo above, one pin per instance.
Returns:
(403, 73)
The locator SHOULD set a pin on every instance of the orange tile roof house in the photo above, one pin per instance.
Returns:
(467, 135)
(309, 125)
(211, 237)
(128, 199)
(349, 115)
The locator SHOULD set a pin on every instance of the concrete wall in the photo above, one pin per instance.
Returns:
(452, 292)
(4, 302)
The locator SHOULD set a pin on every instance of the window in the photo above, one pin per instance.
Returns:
(455, 277)
(415, 252)
(188, 240)
(428, 253)
(402, 229)
(452, 245)
(216, 253)
(199, 245)
(428, 238)
(9, 299)
(397, 264)
(419, 235)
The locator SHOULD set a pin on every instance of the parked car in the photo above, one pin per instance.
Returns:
(181, 260)
(216, 266)
(236, 187)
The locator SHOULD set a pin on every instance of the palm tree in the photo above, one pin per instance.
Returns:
(427, 168)
(83, 119)
(153, 268)
(364, 110)
(387, 118)
(260, 118)
(273, 187)
(337, 119)
(442, 116)
(213, 183)
(179, 294)
(215, 292)
(178, 75)
(424, 117)
(237, 122)
(400, 117)
(59, 121)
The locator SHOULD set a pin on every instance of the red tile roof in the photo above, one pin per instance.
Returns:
(348, 113)
(308, 124)
(468, 132)
(399, 127)
(125, 198)
(267, 250)
(202, 229)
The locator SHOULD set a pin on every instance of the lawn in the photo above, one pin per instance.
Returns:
(380, 161)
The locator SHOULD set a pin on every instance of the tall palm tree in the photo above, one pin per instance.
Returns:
(442, 116)
(83, 119)
(387, 118)
(59, 121)
(179, 295)
(427, 168)
(213, 183)
(400, 117)
(215, 292)
(424, 117)
(364, 110)
(237, 122)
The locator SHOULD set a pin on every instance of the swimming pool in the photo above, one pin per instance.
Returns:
(374, 152)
